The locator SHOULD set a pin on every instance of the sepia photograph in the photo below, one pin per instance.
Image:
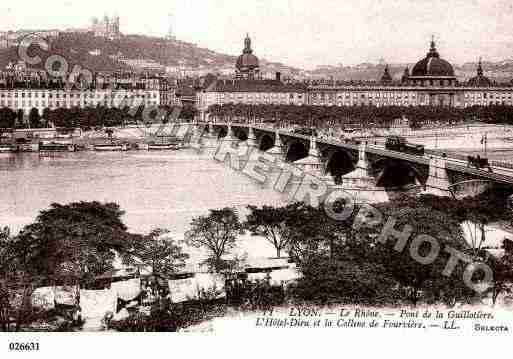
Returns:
(286, 169)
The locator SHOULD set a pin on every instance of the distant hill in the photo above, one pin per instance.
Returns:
(101, 54)
(501, 71)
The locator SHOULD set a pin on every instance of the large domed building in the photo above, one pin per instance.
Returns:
(247, 65)
(432, 70)
(430, 82)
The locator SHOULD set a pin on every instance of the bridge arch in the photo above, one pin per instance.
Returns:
(392, 173)
(240, 133)
(266, 142)
(222, 132)
(339, 162)
(296, 150)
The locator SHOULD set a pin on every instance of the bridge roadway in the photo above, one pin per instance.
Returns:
(505, 177)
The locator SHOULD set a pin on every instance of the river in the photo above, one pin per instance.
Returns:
(156, 189)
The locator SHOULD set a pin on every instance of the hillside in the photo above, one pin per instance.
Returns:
(501, 71)
(100, 54)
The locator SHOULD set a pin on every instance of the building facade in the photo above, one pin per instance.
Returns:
(379, 95)
(248, 87)
(431, 82)
(34, 89)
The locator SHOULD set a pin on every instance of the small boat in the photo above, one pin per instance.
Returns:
(8, 148)
(163, 146)
(164, 143)
(56, 147)
(110, 147)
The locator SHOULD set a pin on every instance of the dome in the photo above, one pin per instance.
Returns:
(247, 61)
(432, 65)
(386, 78)
(480, 80)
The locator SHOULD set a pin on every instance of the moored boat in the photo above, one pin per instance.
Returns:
(163, 146)
(110, 147)
(164, 143)
(56, 147)
(8, 148)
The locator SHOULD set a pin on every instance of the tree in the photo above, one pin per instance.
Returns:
(34, 118)
(46, 116)
(344, 280)
(160, 253)
(217, 233)
(7, 119)
(312, 232)
(74, 242)
(20, 120)
(270, 223)
(188, 112)
(5, 237)
(417, 278)
(15, 284)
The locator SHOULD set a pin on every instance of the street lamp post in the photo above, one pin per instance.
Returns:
(485, 143)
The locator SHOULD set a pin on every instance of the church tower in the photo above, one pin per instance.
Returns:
(386, 78)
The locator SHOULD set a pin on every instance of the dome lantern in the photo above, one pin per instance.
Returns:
(479, 68)
(247, 45)
(432, 50)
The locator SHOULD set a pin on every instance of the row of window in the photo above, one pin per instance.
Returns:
(432, 82)
(488, 95)
(401, 95)
(408, 103)
(346, 99)
(250, 95)
(67, 104)
(362, 95)
(16, 94)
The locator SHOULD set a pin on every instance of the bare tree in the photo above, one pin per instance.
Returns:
(217, 233)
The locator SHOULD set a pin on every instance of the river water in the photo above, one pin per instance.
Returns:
(156, 189)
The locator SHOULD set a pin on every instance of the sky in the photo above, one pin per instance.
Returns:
(301, 33)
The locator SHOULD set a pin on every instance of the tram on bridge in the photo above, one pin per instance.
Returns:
(399, 144)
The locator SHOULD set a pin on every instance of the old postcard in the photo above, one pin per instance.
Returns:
(259, 169)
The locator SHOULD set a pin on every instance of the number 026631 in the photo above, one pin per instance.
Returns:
(17, 346)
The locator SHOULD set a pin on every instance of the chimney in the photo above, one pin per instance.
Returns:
(278, 76)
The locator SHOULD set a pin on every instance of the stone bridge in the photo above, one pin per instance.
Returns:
(349, 162)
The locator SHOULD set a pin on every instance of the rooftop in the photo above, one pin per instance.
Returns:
(255, 86)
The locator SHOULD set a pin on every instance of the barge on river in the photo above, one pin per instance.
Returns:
(57, 147)
(111, 147)
(8, 148)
